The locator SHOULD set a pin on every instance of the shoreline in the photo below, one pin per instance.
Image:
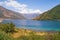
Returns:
(25, 32)
(39, 30)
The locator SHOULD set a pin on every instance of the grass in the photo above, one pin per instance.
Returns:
(29, 35)
(24, 34)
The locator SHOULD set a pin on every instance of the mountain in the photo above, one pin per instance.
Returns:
(31, 16)
(53, 14)
(8, 14)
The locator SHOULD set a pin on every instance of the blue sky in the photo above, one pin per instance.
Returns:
(29, 6)
(41, 4)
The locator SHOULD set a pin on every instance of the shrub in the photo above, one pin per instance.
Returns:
(8, 27)
(4, 36)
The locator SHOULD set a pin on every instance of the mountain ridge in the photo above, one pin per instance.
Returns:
(52, 14)
(9, 14)
(31, 16)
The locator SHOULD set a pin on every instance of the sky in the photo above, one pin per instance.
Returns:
(29, 6)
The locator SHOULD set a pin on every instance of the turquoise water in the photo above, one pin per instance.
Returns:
(36, 25)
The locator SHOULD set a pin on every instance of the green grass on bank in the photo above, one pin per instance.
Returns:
(6, 34)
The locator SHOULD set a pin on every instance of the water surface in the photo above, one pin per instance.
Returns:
(36, 25)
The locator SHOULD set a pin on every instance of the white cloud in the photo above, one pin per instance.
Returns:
(21, 8)
(1, 3)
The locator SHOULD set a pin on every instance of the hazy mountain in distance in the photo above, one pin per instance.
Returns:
(53, 14)
(8, 14)
(31, 16)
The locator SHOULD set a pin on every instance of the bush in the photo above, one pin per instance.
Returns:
(8, 27)
(4, 36)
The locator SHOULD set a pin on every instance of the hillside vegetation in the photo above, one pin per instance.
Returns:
(53, 14)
